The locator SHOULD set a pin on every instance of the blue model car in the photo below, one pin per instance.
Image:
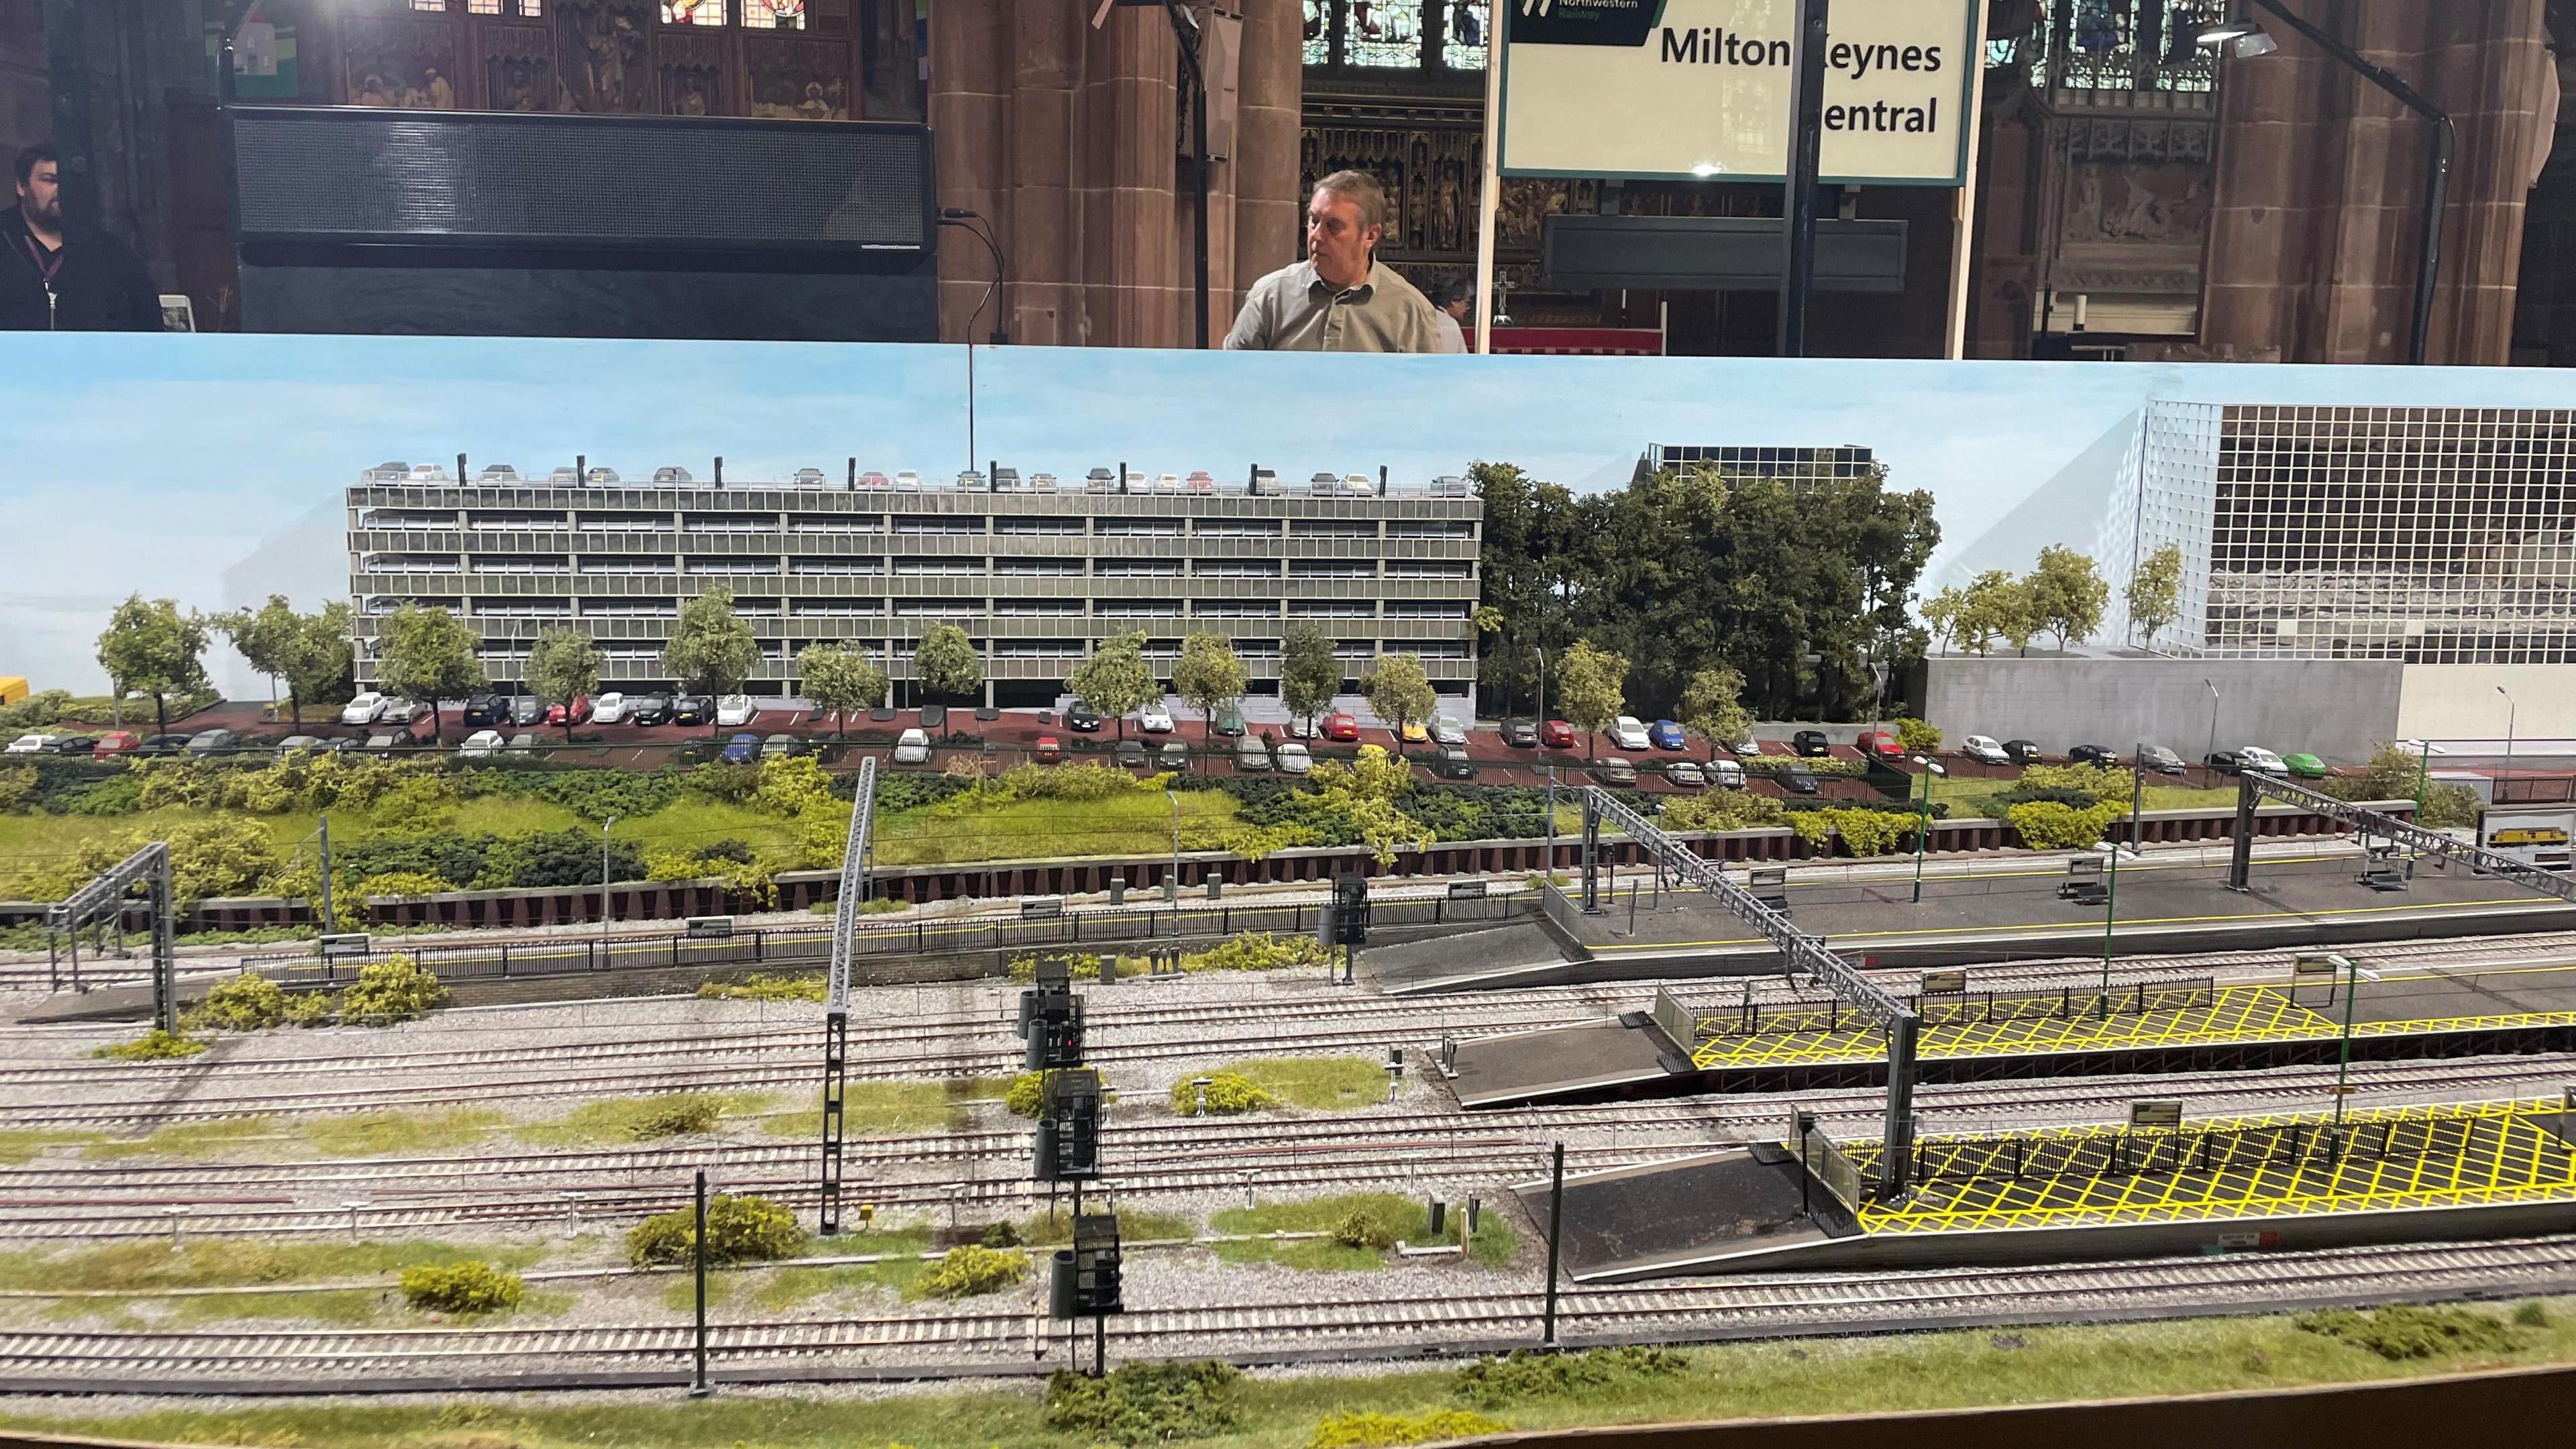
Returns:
(742, 750)
(1666, 735)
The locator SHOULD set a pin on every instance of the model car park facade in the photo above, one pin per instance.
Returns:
(1034, 577)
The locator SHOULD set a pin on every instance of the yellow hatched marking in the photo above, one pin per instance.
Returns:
(2238, 1014)
(2435, 1156)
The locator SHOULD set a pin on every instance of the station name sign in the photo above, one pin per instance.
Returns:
(1680, 89)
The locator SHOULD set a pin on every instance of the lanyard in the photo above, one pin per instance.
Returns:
(47, 262)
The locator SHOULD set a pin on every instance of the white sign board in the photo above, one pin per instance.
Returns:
(2535, 837)
(1681, 89)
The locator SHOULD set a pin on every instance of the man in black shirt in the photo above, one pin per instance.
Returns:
(66, 280)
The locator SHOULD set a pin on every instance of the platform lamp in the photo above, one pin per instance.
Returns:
(1187, 33)
(1923, 827)
(2244, 40)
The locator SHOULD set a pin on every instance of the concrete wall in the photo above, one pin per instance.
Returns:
(2459, 701)
(2336, 708)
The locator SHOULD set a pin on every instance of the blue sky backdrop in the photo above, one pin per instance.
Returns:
(163, 464)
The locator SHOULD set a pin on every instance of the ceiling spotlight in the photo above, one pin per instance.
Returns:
(2237, 39)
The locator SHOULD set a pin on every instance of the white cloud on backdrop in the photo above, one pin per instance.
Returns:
(157, 464)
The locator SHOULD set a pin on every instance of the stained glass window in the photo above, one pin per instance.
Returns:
(1319, 32)
(1384, 32)
(693, 12)
(2117, 45)
(774, 14)
(1463, 48)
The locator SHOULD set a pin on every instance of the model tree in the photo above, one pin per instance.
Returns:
(1310, 674)
(712, 650)
(840, 678)
(1712, 707)
(266, 639)
(1399, 692)
(1209, 674)
(152, 648)
(1591, 689)
(426, 653)
(2155, 594)
(2066, 594)
(319, 659)
(563, 666)
(945, 662)
(1114, 680)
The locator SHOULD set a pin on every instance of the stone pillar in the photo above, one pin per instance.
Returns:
(971, 83)
(2320, 185)
(1269, 107)
(1128, 165)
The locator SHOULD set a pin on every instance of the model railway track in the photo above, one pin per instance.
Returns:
(1818, 1303)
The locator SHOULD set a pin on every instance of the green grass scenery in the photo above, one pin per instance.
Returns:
(612, 1120)
(138, 1271)
(1359, 1228)
(889, 1109)
(1777, 1379)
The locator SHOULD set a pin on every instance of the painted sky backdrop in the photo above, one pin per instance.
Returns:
(161, 464)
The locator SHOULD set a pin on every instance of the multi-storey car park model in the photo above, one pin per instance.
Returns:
(1035, 569)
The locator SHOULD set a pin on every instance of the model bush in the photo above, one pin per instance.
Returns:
(468, 1287)
(970, 1270)
(2096, 782)
(155, 1045)
(1492, 1382)
(766, 988)
(401, 885)
(246, 1002)
(1144, 1403)
(1229, 1094)
(1080, 966)
(744, 1229)
(1916, 737)
(2403, 1331)
(1357, 1229)
(675, 1117)
(394, 989)
(1256, 951)
(2046, 825)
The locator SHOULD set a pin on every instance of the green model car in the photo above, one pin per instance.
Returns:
(2306, 767)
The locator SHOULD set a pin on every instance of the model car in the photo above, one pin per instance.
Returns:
(742, 749)
(649, 709)
(526, 710)
(1175, 757)
(207, 742)
(497, 473)
(1292, 758)
(1006, 480)
(522, 743)
(1446, 730)
(2161, 760)
(1131, 755)
(71, 745)
(1615, 770)
(777, 745)
(2093, 755)
(2226, 762)
(156, 746)
(693, 709)
(481, 744)
(1303, 727)
(1879, 744)
(1413, 732)
(1811, 744)
(1082, 718)
(610, 708)
(1627, 732)
(1251, 756)
(1341, 729)
(1685, 772)
(1100, 480)
(1556, 734)
(363, 709)
(1797, 780)
(118, 742)
(1985, 749)
(1042, 482)
(30, 744)
(485, 709)
(873, 479)
(1049, 750)
(912, 747)
(2258, 758)
(1229, 721)
(1665, 734)
(1520, 734)
(1453, 764)
(399, 712)
(735, 709)
(577, 712)
(2021, 752)
(2305, 766)
(383, 741)
(907, 481)
(1154, 719)
(808, 478)
(428, 473)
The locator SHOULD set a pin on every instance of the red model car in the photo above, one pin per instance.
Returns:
(118, 742)
(579, 712)
(1556, 734)
(1341, 729)
(1050, 749)
(1880, 743)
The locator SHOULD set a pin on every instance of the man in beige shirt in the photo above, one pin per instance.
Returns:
(1341, 298)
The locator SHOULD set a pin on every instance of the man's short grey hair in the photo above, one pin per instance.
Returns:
(1363, 192)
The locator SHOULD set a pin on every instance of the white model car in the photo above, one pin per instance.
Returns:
(2258, 758)
(1628, 732)
(365, 709)
(609, 708)
(1154, 719)
(907, 481)
(1983, 748)
(912, 747)
(36, 744)
(735, 709)
(480, 745)
(1446, 730)
(1291, 758)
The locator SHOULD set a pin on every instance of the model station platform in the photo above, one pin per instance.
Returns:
(1992, 911)
(1706, 1042)
(2277, 1182)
